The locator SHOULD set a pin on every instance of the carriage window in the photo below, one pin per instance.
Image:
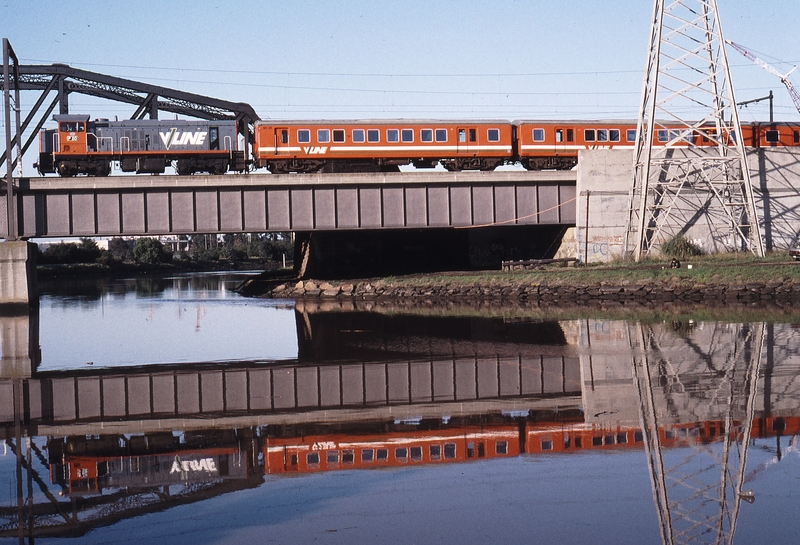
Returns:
(426, 135)
(407, 135)
(588, 135)
(493, 135)
(472, 135)
(559, 135)
(373, 135)
(304, 136)
(284, 136)
(441, 135)
(392, 135)
(797, 137)
(323, 135)
(332, 457)
(570, 135)
(613, 135)
(663, 135)
(416, 454)
(338, 135)
(449, 450)
(462, 135)
(401, 454)
(630, 135)
(312, 458)
(348, 456)
(367, 455)
(772, 137)
(436, 452)
(602, 135)
(383, 454)
(501, 447)
(358, 135)
(547, 444)
(538, 135)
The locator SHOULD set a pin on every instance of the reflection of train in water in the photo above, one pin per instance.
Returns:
(84, 465)
(90, 465)
(403, 447)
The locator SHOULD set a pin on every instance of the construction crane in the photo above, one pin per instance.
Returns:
(769, 68)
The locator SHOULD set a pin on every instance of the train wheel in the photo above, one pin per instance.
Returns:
(66, 170)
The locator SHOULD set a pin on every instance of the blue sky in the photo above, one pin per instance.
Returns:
(536, 59)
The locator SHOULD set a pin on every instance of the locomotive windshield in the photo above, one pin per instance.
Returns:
(72, 126)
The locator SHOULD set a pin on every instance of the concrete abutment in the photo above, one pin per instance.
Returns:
(18, 274)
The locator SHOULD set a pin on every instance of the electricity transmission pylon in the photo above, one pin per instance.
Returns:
(695, 181)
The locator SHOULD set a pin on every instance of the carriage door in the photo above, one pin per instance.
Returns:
(467, 137)
(564, 139)
(281, 138)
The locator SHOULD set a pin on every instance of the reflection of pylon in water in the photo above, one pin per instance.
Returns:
(697, 489)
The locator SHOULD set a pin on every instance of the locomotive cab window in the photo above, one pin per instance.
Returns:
(392, 135)
(772, 136)
(72, 126)
(323, 136)
(407, 135)
(538, 135)
(426, 135)
(304, 136)
(493, 135)
(588, 135)
(373, 135)
(441, 135)
(358, 135)
(338, 135)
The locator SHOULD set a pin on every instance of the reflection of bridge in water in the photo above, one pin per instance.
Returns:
(379, 389)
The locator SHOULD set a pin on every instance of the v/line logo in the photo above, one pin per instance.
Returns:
(175, 138)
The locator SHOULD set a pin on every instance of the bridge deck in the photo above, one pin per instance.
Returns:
(168, 204)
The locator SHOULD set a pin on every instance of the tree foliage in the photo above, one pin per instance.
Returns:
(150, 251)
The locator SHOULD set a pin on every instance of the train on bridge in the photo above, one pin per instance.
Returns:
(79, 145)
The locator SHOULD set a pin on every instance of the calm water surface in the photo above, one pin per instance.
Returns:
(170, 409)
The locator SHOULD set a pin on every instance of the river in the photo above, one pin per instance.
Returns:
(157, 409)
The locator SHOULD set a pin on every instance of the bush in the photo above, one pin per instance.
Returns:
(680, 247)
(150, 251)
(69, 252)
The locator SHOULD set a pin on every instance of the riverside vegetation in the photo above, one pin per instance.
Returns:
(719, 278)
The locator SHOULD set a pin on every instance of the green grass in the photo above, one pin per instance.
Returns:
(724, 270)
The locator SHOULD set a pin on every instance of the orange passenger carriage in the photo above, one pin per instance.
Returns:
(381, 146)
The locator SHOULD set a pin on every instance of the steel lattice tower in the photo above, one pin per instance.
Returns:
(697, 175)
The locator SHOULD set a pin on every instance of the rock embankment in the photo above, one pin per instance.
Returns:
(656, 291)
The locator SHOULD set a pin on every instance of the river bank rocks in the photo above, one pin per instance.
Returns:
(656, 291)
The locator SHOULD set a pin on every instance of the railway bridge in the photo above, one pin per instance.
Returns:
(300, 203)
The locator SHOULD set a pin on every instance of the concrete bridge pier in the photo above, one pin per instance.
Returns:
(18, 273)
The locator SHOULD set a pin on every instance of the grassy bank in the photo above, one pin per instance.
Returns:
(728, 269)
